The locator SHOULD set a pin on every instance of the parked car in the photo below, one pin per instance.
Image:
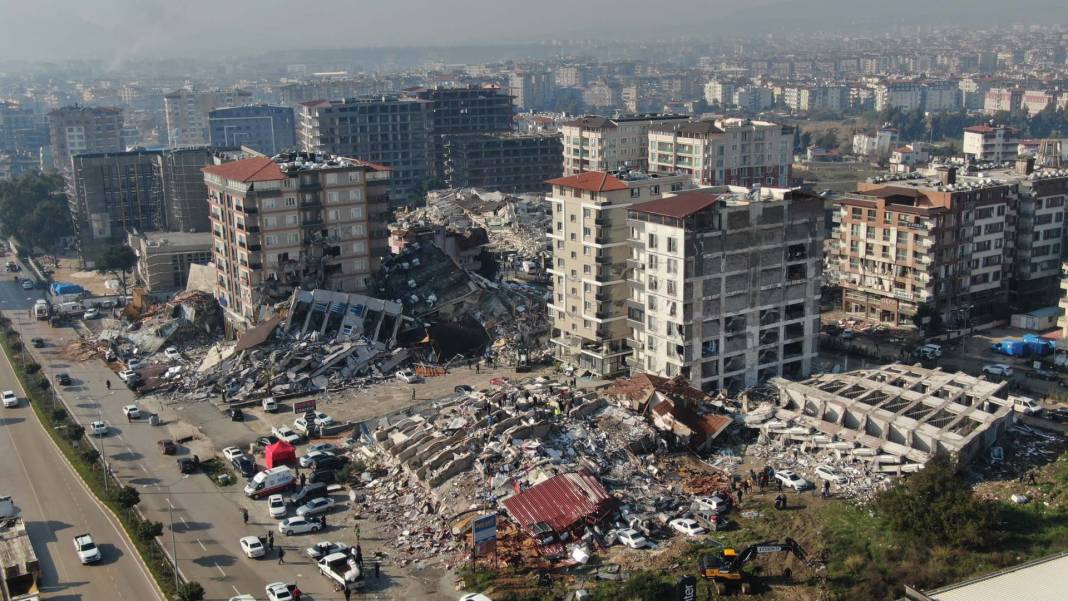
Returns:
(307, 458)
(279, 591)
(300, 425)
(310, 491)
(167, 447)
(929, 351)
(478, 597)
(98, 428)
(1025, 405)
(236, 415)
(686, 526)
(408, 376)
(316, 507)
(10, 400)
(714, 503)
(998, 369)
(253, 547)
(463, 389)
(38, 342)
(91, 313)
(321, 446)
(848, 335)
(286, 433)
(63, 380)
(128, 375)
(324, 420)
(297, 525)
(631, 538)
(1045, 374)
(791, 480)
(136, 364)
(276, 506)
(269, 404)
(1058, 415)
(322, 477)
(328, 462)
(324, 548)
(172, 353)
(244, 466)
(188, 465)
(831, 474)
(231, 452)
(131, 412)
(28, 284)
(266, 440)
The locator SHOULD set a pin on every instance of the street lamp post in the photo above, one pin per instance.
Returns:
(174, 552)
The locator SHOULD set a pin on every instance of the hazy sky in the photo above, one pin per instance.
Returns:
(110, 29)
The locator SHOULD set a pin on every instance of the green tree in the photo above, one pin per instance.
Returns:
(127, 497)
(146, 530)
(927, 318)
(190, 591)
(827, 138)
(35, 210)
(119, 260)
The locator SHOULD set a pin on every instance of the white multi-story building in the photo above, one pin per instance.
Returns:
(186, 112)
(904, 95)
(941, 96)
(991, 143)
(594, 143)
(720, 91)
(738, 152)
(589, 238)
(725, 286)
(754, 98)
(876, 146)
(802, 99)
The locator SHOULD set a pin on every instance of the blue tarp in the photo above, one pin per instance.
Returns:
(61, 288)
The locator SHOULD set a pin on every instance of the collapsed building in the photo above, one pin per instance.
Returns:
(894, 418)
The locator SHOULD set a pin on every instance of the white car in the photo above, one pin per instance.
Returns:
(475, 597)
(322, 549)
(91, 313)
(131, 412)
(831, 474)
(232, 453)
(243, 598)
(631, 538)
(998, 369)
(301, 425)
(278, 591)
(253, 547)
(686, 526)
(322, 419)
(715, 504)
(10, 400)
(172, 353)
(98, 428)
(285, 433)
(297, 525)
(136, 364)
(87, 550)
(27, 284)
(307, 458)
(276, 505)
(791, 480)
(127, 374)
(321, 446)
(409, 376)
(316, 507)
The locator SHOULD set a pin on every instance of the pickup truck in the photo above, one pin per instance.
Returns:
(86, 548)
(342, 570)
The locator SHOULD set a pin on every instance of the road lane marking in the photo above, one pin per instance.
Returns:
(183, 521)
(201, 545)
(169, 503)
(220, 570)
(143, 468)
(236, 592)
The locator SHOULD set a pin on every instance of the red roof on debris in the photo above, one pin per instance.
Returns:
(562, 502)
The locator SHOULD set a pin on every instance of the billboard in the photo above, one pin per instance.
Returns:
(303, 406)
(484, 534)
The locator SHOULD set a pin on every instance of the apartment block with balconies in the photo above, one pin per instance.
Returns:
(738, 152)
(610, 143)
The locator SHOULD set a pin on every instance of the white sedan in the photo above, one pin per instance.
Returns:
(253, 547)
(998, 369)
(286, 434)
(831, 474)
(172, 353)
(98, 428)
(276, 505)
(316, 506)
(408, 376)
(127, 374)
(321, 446)
(278, 591)
(322, 419)
(631, 538)
(10, 400)
(91, 313)
(297, 525)
(791, 480)
(232, 453)
(324, 548)
(308, 458)
(131, 412)
(686, 526)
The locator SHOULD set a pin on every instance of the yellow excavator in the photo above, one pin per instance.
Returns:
(725, 568)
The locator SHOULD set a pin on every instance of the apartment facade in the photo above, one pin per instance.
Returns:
(464, 110)
(995, 143)
(878, 145)
(297, 220)
(725, 286)
(737, 152)
(504, 161)
(1002, 99)
(163, 258)
(1040, 233)
(589, 237)
(390, 130)
(264, 128)
(532, 90)
(83, 130)
(187, 113)
(594, 143)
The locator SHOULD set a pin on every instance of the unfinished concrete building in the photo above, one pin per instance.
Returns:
(896, 416)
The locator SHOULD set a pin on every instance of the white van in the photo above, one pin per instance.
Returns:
(269, 482)
(269, 404)
(1025, 405)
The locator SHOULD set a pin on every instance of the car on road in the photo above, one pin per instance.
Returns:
(266, 440)
(1025, 405)
(63, 380)
(252, 547)
(1045, 374)
(463, 389)
(91, 313)
(791, 480)
(998, 369)
(244, 466)
(172, 353)
(98, 428)
(127, 375)
(831, 474)
(286, 433)
(136, 364)
(630, 537)
(276, 506)
(328, 462)
(10, 400)
(87, 550)
(27, 284)
(322, 549)
(231, 452)
(321, 446)
(316, 507)
(131, 412)
(408, 376)
(167, 447)
(38, 342)
(297, 525)
(686, 526)
(307, 458)
(279, 591)
(188, 465)
(236, 414)
(324, 420)
(308, 492)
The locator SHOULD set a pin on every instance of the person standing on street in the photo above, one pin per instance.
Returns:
(108, 384)
(281, 555)
(244, 515)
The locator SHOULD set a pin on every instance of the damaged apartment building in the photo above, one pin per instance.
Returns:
(297, 220)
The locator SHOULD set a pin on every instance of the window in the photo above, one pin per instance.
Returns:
(291, 201)
(332, 196)
(653, 262)
(654, 190)
(871, 214)
(673, 245)
(858, 213)
(356, 194)
(672, 266)
(635, 192)
(652, 241)
(585, 213)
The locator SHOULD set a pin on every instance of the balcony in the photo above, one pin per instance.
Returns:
(603, 259)
(603, 239)
(312, 222)
(248, 209)
(311, 204)
(253, 229)
(254, 247)
(310, 185)
(602, 222)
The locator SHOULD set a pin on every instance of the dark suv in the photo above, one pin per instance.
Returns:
(328, 462)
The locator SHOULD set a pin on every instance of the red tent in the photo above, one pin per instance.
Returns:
(279, 453)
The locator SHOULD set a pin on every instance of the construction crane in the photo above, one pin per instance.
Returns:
(725, 569)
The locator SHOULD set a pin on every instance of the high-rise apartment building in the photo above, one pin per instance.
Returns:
(904, 95)
(995, 143)
(610, 143)
(589, 237)
(464, 110)
(725, 285)
(737, 152)
(264, 128)
(186, 112)
(532, 90)
(82, 129)
(1003, 99)
(390, 130)
(505, 161)
(298, 219)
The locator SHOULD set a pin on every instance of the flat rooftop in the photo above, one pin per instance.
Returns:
(1044, 579)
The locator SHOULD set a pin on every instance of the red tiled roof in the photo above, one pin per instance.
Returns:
(591, 181)
(562, 502)
(639, 387)
(679, 206)
(255, 169)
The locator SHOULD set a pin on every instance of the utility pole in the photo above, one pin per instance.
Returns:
(174, 553)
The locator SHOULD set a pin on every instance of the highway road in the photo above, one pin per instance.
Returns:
(56, 505)
(207, 518)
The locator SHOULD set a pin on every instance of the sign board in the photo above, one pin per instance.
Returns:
(302, 406)
(484, 534)
(686, 589)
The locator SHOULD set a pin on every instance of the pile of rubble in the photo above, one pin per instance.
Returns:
(84, 350)
(191, 317)
(515, 223)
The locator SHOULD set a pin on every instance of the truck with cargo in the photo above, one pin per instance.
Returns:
(20, 571)
(341, 569)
